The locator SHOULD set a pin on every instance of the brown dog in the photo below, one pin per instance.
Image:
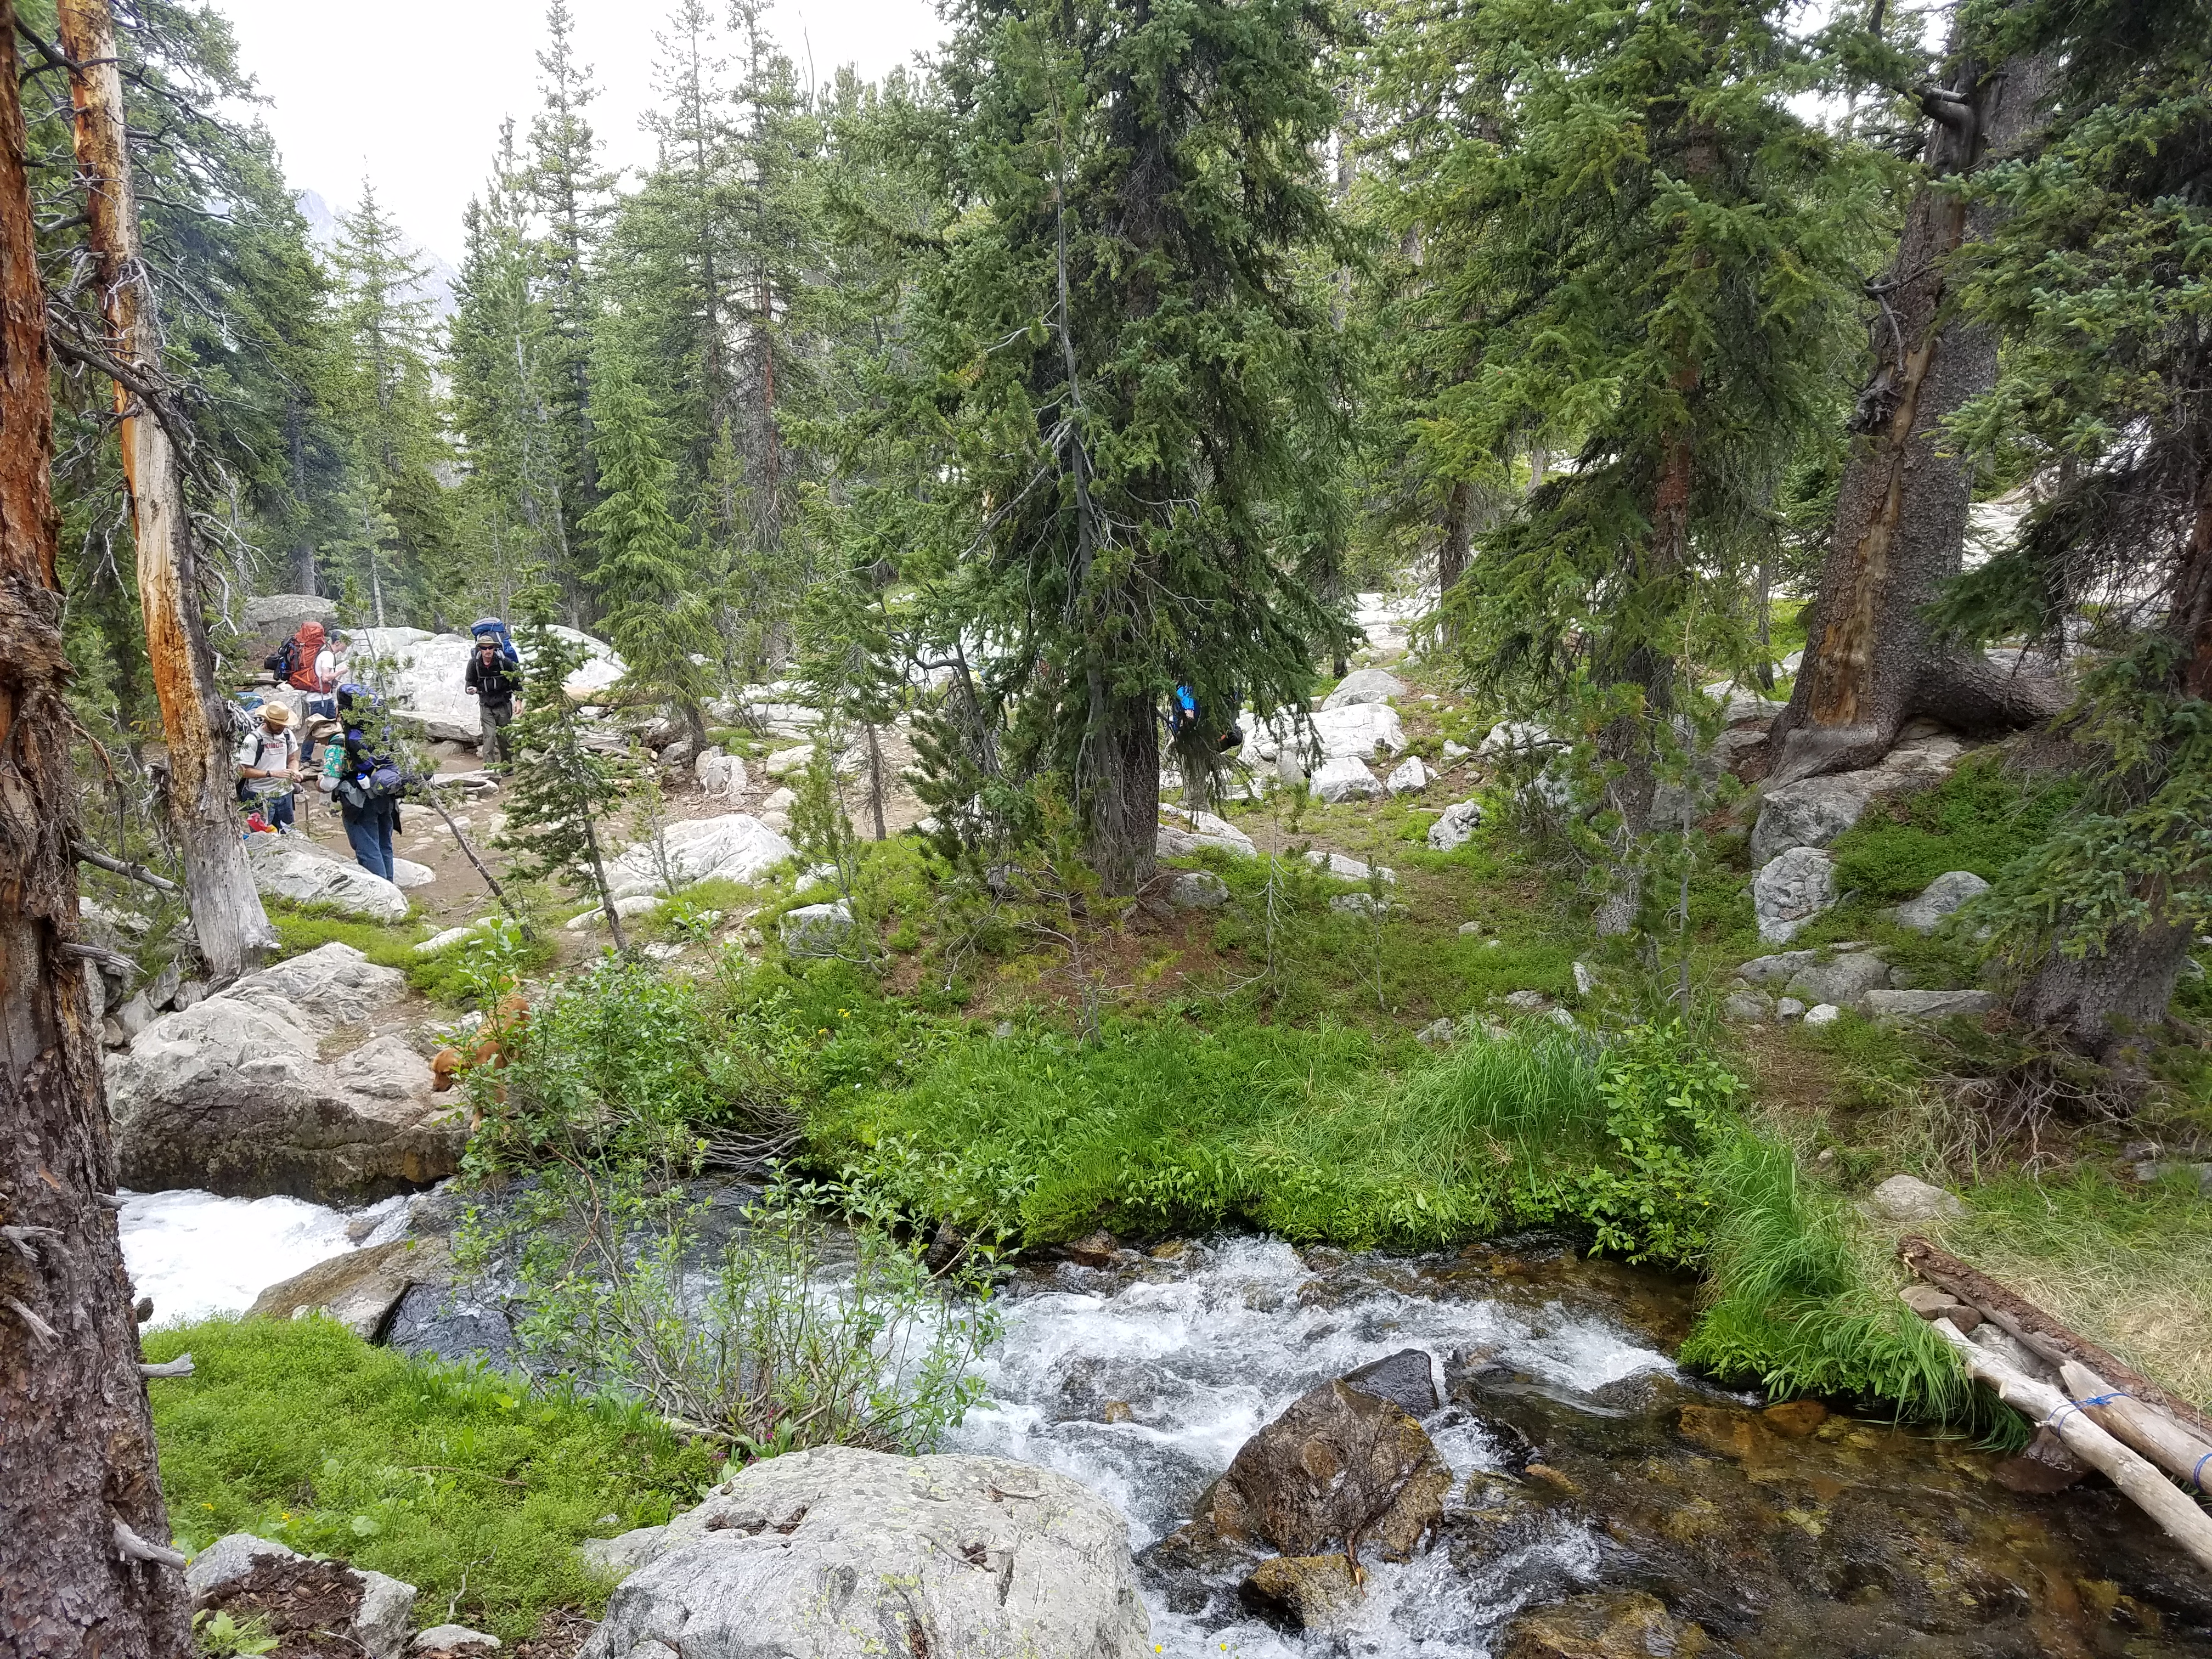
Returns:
(494, 1040)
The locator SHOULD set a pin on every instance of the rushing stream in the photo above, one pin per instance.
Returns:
(1585, 1461)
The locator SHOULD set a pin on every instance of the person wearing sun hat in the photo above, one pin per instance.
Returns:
(269, 766)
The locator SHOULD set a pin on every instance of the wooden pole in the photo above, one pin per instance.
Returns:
(232, 929)
(76, 1441)
(2150, 1431)
(2038, 1330)
(2185, 1522)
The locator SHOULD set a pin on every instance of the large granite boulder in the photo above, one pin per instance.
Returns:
(266, 622)
(837, 1553)
(1843, 979)
(360, 1289)
(1365, 686)
(1344, 777)
(234, 1094)
(1182, 833)
(294, 868)
(1357, 731)
(1457, 827)
(1814, 812)
(1789, 891)
(734, 847)
(1939, 899)
(421, 673)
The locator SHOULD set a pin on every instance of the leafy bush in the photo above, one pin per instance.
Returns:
(458, 1481)
(791, 1334)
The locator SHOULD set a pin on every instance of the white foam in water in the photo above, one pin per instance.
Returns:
(199, 1255)
(1207, 1350)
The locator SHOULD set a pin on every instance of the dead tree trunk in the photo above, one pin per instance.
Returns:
(232, 928)
(76, 1444)
(1901, 511)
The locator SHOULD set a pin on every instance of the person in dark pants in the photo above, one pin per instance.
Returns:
(495, 686)
(269, 766)
(369, 785)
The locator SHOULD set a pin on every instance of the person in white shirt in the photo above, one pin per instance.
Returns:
(269, 767)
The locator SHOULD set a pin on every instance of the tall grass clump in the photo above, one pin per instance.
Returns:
(1790, 1304)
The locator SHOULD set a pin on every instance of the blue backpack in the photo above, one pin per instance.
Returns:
(493, 628)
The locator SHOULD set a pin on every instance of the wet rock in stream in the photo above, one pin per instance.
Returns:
(1598, 1493)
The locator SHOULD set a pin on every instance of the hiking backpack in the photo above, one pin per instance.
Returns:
(304, 647)
(493, 628)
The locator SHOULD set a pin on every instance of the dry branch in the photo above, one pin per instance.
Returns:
(2185, 1522)
(2150, 1431)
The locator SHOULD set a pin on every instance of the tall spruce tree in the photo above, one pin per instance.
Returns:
(2099, 274)
(571, 191)
(392, 410)
(1118, 349)
(658, 607)
(1626, 234)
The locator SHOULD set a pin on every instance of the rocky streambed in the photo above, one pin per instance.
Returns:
(1591, 1500)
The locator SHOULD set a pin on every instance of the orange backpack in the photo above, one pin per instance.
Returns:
(307, 645)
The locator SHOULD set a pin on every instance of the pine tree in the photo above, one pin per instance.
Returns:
(658, 612)
(394, 411)
(1118, 352)
(2098, 274)
(571, 193)
(560, 788)
(500, 344)
(1626, 235)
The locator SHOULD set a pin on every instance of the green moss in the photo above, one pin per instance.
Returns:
(1979, 818)
(458, 1481)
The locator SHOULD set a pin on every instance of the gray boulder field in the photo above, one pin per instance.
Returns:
(841, 1553)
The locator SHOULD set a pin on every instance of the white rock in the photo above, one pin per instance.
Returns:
(1939, 899)
(294, 868)
(1182, 832)
(405, 873)
(379, 1624)
(1007, 1559)
(1788, 1008)
(1747, 1005)
(1409, 777)
(1908, 1198)
(437, 942)
(734, 847)
(816, 930)
(421, 675)
(1455, 751)
(1358, 730)
(440, 1637)
(1365, 686)
(1344, 778)
(1457, 827)
(1843, 979)
(1469, 929)
(1790, 890)
(1516, 738)
(1739, 704)
(719, 774)
(785, 762)
(1355, 904)
(1198, 889)
(1345, 868)
(778, 821)
(1895, 1007)
(1823, 1013)
(782, 801)
(1776, 970)
(1585, 981)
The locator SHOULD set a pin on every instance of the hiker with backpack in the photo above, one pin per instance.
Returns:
(269, 766)
(496, 683)
(365, 777)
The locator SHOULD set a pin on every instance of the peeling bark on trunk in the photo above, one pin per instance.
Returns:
(1901, 510)
(232, 931)
(76, 1442)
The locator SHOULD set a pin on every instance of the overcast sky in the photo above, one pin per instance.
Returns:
(411, 92)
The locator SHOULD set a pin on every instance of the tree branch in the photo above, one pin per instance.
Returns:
(131, 1547)
(115, 866)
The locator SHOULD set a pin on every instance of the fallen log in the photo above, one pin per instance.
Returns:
(2042, 1333)
(2150, 1431)
(2174, 1509)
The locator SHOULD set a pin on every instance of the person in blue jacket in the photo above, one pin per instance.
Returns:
(369, 781)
